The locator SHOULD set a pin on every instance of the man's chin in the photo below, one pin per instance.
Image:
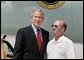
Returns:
(37, 26)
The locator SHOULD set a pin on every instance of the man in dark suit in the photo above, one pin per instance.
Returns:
(28, 44)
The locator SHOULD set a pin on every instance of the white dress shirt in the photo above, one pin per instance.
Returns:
(61, 49)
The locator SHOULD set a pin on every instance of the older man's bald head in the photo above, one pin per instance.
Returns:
(61, 23)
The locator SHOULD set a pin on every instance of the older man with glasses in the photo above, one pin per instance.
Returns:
(60, 47)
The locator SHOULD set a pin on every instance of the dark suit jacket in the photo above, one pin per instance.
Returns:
(26, 44)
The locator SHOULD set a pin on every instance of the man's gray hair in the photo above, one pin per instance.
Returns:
(39, 10)
(65, 26)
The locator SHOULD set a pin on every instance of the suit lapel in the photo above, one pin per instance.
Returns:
(44, 39)
(35, 39)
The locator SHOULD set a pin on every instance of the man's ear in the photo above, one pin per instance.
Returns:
(63, 29)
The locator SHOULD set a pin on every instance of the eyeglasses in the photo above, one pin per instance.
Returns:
(55, 26)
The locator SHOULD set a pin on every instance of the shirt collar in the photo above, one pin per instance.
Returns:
(34, 27)
(59, 40)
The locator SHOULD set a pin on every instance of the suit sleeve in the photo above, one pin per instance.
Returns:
(19, 45)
